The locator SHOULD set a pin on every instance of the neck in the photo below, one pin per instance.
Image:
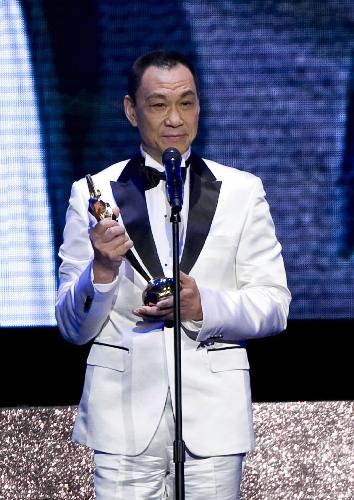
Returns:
(158, 158)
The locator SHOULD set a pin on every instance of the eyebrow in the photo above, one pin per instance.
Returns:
(163, 96)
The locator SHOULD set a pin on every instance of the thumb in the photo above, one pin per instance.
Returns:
(116, 211)
(184, 278)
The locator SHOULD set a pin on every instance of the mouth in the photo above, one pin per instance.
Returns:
(174, 137)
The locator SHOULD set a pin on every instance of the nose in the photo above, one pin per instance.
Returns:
(173, 118)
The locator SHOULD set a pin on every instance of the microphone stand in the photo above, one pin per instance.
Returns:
(179, 452)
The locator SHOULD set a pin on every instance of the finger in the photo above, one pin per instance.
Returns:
(117, 249)
(186, 293)
(140, 313)
(145, 310)
(182, 276)
(165, 303)
(102, 226)
(127, 246)
(185, 279)
(148, 311)
(114, 232)
(116, 211)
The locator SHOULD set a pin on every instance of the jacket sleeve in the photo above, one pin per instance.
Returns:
(81, 309)
(259, 304)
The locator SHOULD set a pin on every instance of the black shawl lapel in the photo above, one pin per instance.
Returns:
(129, 194)
(203, 200)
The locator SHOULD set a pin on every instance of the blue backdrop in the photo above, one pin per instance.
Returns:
(277, 100)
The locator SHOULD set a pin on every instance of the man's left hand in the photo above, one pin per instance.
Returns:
(191, 307)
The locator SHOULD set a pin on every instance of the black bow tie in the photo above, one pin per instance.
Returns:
(151, 177)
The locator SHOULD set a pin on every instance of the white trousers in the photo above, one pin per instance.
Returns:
(150, 476)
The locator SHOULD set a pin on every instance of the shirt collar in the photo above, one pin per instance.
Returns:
(150, 162)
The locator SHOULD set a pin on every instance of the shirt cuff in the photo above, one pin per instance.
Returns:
(192, 325)
(104, 287)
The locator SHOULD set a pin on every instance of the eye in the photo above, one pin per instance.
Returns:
(158, 105)
(187, 104)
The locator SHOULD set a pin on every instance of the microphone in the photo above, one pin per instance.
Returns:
(171, 160)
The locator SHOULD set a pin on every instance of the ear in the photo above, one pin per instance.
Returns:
(129, 108)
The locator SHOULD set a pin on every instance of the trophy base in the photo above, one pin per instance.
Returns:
(158, 289)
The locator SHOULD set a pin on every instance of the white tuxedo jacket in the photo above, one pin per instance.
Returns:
(232, 252)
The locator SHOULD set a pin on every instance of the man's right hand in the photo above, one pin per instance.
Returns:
(110, 244)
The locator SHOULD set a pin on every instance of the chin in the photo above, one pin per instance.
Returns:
(180, 145)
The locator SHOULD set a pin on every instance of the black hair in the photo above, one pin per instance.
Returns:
(161, 59)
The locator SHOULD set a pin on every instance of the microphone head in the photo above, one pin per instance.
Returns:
(172, 159)
(171, 154)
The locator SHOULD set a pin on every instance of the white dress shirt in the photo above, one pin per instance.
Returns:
(159, 212)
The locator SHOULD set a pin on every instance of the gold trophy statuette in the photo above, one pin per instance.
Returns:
(98, 208)
(158, 288)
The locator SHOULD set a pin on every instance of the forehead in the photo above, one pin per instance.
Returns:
(176, 80)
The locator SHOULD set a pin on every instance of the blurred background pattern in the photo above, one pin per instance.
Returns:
(277, 100)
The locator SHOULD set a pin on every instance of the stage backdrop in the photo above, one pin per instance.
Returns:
(277, 100)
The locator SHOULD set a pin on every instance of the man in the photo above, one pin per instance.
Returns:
(233, 287)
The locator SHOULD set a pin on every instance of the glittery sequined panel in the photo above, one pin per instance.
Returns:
(37, 459)
(304, 451)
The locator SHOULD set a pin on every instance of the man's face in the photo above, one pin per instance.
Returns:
(166, 111)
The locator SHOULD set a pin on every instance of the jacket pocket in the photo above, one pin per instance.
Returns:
(108, 356)
(224, 359)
